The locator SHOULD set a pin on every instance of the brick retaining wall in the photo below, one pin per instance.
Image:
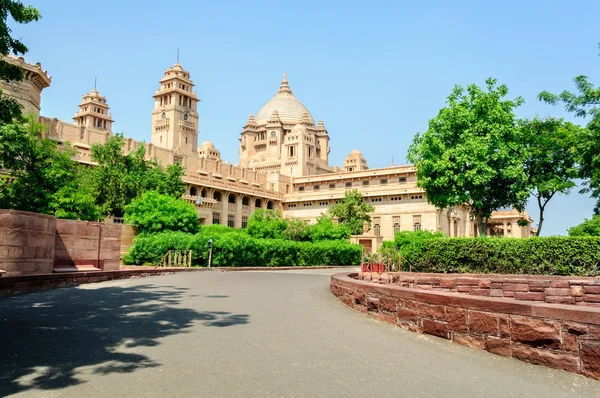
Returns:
(26, 242)
(32, 283)
(33, 243)
(546, 288)
(560, 336)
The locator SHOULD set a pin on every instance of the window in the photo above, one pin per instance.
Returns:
(273, 134)
(396, 221)
(193, 191)
(300, 189)
(365, 182)
(417, 223)
(244, 222)
(186, 140)
(269, 205)
(258, 203)
(348, 184)
(231, 198)
(331, 186)
(316, 187)
(377, 225)
(402, 179)
(216, 218)
(217, 196)
(245, 201)
(383, 181)
(231, 220)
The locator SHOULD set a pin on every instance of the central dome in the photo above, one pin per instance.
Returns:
(289, 108)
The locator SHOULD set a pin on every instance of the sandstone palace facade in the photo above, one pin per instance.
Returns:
(283, 165)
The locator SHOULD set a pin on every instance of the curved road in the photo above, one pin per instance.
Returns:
(240, 334)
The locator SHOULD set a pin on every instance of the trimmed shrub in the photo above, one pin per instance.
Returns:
(154, 212)
(540, 255)
(237, 249)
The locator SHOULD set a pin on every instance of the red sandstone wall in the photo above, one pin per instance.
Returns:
(545, 288)
(26, 242)
(88, 243)
(559, 336)
(32, 243)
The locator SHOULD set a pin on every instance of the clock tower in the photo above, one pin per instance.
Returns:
(174, 118)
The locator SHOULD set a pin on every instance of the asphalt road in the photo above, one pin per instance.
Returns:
(240, 334)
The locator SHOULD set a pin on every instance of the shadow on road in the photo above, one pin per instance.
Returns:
(45, 339)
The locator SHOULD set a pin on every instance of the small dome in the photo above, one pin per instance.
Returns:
(355, 152)
(207, 145)
(298, 128)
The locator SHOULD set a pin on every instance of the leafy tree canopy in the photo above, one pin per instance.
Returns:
(590, 227)
(550, 163)
(584, 103)
(352, 211)
(43, 178)
(266, 224)
(121, 178)
(10, 109)
(154, 212)
(325, 229)
(472, 153)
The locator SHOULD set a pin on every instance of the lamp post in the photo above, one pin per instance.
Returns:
(210, 245)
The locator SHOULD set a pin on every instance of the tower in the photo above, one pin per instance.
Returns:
(27, 92)
(94, 113)
(174, 118)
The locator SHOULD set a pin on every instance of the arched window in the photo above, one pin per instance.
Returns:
(270, 205)
(203, 193)
(231, 198)
(193, 191)
(258, 203)
(417, 226)
(245, 201)
(217, 196)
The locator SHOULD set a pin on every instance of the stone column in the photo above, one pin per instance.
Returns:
(238, 211)
(252, 204)
(224, 208)
(505, 229)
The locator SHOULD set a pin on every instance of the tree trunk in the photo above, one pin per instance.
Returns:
(481, 223)
(542, 208)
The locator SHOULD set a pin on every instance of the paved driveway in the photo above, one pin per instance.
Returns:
(240, 334)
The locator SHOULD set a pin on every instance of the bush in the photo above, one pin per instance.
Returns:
(238, 249)
(589, 227)
(153, 212)
(539, 255)
(266, 224)
(325, 229)
(410, 245)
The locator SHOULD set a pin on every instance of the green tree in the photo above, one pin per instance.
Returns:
(550, 162)
(590, 227)
(352, 211)
(154, 213)
(43, 178)
(472, 153)
(296, 229)
(120, 177)
(76, 200)
(21, 14)
(325, 229)
(585, 104)
(266, 224)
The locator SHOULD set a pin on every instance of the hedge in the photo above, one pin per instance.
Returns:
(240, 250)
(578, 256)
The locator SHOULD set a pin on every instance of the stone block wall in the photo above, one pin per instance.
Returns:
(88, 243)
(544, 288)
(26, 242)
(32, 243)
(560, 336)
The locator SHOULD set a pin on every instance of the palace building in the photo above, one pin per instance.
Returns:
(283, 165)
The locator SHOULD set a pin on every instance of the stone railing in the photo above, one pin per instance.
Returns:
(560, 336)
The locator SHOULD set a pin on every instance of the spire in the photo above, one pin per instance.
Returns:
(284, 88)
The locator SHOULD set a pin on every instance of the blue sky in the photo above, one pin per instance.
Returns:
(374, 71)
